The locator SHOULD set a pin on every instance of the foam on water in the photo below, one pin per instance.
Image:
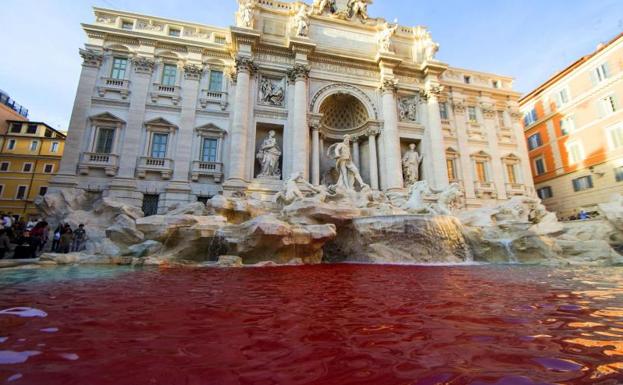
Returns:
(24, 312)
(14, 357)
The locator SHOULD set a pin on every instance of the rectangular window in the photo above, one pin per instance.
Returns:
(472, 114)
(119, 67)
(545, 192)
(150, 204)
(209, 150)
(616, 137)
(10, 144)
(583, 183)
(48, 168)
(16, 128)
(562, 97)
(1, 190)
(174, 32)
(43, 190)
(27, 167)
(574, 150)
(21, 192)
(216, 81)
(32, 129)
(54, 147)
(511, 174)
(530, 117)
(601, 73)
(608, 105)
(481, 171)
(48, 134)
(169, 75)
(204, 199)
(495, 83)
(4, 166)
(33, 145)
(127, 25)
(220, 39)
(104, 143)
(567, 125)
(443, 110)
(159, 145)
(534, 141)
(539, 166)
(618, 174)
(467, 79)
(451, 167)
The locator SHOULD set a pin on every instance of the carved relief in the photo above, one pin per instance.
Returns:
(272, 92)
(106, 19)
(488, 110)
(389, 85)
(149, 25)
(407, 108)
(192, 72)
(142, 64)
(91, 58)
(343, 69)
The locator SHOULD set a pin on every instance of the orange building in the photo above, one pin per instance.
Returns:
(573, 124)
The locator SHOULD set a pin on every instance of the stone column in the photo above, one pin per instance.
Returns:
(300, 149)
(76, 137)
(374, 172)
(315, 180)
(466, 165)
(356, 152)
(497, 167)
(391, 138)
(434, 134)
(240, 127)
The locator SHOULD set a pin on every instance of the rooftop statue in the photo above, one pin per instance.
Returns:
(385, 37)
(320, 6)
(425, 47)
(358, 8)
(348, 172)
(301, 21)
(246, 15)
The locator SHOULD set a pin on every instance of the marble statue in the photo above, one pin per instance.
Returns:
(271, 92)
(416, 203)
(440, 202)
(411, 165)
(407, 109)
(385, 37)
(449, 199)
(347, 171)
(358, 8)
(291, 192)
(320, 6)
(301, 21)
(246, 9)
(268, 157)
(425, 47)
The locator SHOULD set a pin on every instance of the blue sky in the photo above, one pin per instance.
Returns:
(529, 39)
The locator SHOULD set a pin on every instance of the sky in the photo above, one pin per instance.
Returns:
(529, 40)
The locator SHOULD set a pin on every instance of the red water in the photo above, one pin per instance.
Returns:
(323, 325)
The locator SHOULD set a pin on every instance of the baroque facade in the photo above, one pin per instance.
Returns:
(169, 112)
(573, 126)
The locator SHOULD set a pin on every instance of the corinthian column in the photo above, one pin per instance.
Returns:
(315, 156)
(391, 138)
(240, 127)
(374, 172)
(434, 139)
(300, 148)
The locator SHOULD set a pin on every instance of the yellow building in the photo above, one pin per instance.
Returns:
(29, 157)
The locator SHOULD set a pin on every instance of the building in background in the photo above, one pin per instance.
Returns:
(9, 110)
(573, 125)
(29, 157)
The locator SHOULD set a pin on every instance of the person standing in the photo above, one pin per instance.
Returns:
(80, 237)
(5, 243)
(65, 241)
(56, 238)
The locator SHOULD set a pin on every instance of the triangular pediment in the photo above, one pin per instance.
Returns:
(107, 117)
(160, 122)
(210, 129)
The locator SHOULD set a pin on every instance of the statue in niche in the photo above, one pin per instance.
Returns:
(348, 172)
(358, 8)
(407, 109)
(268, 157)
(320, 6)
(301, 21)
(271, 92)
(411, 165)
(246, 9)
(385, 37)
(425, 47)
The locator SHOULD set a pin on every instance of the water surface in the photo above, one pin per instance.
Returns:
(324, 325)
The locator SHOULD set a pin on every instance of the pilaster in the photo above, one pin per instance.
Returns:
(433, 135)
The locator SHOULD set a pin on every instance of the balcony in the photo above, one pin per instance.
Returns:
(211, 97)
(166, 92)
(485, 190)
(163, 166)
(213, 169)
(92, 160)
(513, 189)
(120, 86)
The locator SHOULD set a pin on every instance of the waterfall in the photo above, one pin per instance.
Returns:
(508, 247)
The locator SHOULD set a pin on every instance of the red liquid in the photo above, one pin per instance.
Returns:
(321, 325)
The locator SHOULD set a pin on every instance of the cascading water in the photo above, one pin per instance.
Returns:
(510, 253)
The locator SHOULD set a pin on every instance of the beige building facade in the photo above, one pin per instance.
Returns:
(574, 130)
(169, 112)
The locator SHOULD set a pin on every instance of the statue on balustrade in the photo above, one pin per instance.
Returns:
(358, 8)
(347, 171)
(411, 165)
(268, 157)
(271, 92)
(385, 37)
(301, 21)
(320, 6)
(246, 9)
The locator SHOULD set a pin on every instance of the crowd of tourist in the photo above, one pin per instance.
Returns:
(25, 240)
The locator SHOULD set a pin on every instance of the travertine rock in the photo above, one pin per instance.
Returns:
(229, 261)
(145, 249)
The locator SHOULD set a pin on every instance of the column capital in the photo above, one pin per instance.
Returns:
(431, 91)
(192, 72)
(143, 64)
(299, 72)
(371, 132)
(389, 85)
(245, 64)
(91, 58)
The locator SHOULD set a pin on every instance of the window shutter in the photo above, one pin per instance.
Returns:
(615, 102)
(590, 181)
(606, 70)
(594, 78)
(575, 185)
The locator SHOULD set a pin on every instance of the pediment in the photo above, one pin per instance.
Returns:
(210, 129)
(107, 117)
(160, 123)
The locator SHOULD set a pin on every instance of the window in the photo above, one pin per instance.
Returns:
(495, 83)
(119, 67)
(174, 32)
(443, 110)
(48, 168)
(608, 105)
(209, 150)
(539, 166)
(33, 145)
(16, 128)
(567, 125)
(169, 75)
(104, 143)
(535, 141)
(530, 117)
(4, 166)
(545, 192)
(467, 79)
(451, 167)
(583, 183)
(601, 73)
(575, 152)
(216, 81)
(27, 167)
(472, 114)
(159, 145)
(220, 39)
(32, 129)
(481, 171)
(501, 122)
(21, 192)
(562, 97)
(1, 190)
(43, 190)
(618, 174)
(511, 173)
(127, 25)
(10, 144)
(615, 137)
(150, 204)
(204, 199)
(48, 134)
(54, 147)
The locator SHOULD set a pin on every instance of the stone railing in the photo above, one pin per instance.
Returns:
(146, 164)
(515, 189)
(213, 97)
(167, 92)
(92, 160)
(121, 86)
(485, 189)
(213, 169)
